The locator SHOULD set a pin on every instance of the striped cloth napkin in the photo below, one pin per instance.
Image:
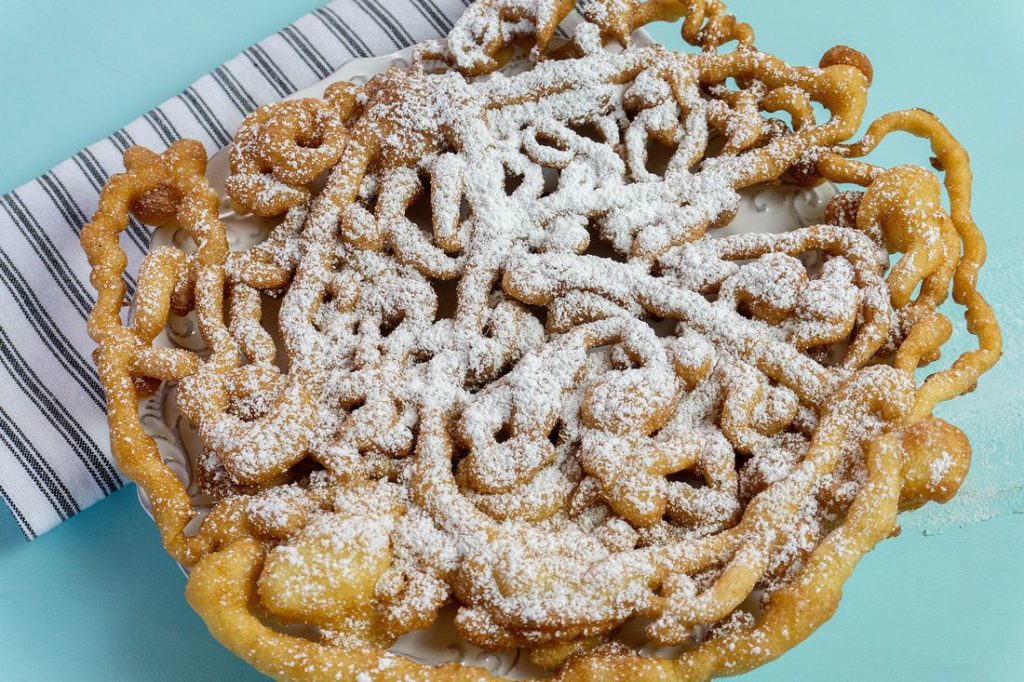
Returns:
(54, 455)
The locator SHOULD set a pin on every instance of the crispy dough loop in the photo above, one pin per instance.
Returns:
(705, 22)
(921, 241)
(281, 148)
(164, 186)
(483, 37)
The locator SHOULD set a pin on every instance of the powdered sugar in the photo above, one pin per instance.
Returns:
(555, 479)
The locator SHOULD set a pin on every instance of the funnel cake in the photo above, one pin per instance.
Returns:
(513, 371)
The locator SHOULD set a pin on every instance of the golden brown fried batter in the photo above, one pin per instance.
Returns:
(664, 429)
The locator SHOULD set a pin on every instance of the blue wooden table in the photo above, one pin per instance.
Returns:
(97, 598)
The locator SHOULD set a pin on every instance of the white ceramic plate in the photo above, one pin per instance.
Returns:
(773, 209)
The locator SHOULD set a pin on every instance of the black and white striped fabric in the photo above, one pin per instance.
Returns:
(54, 456)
